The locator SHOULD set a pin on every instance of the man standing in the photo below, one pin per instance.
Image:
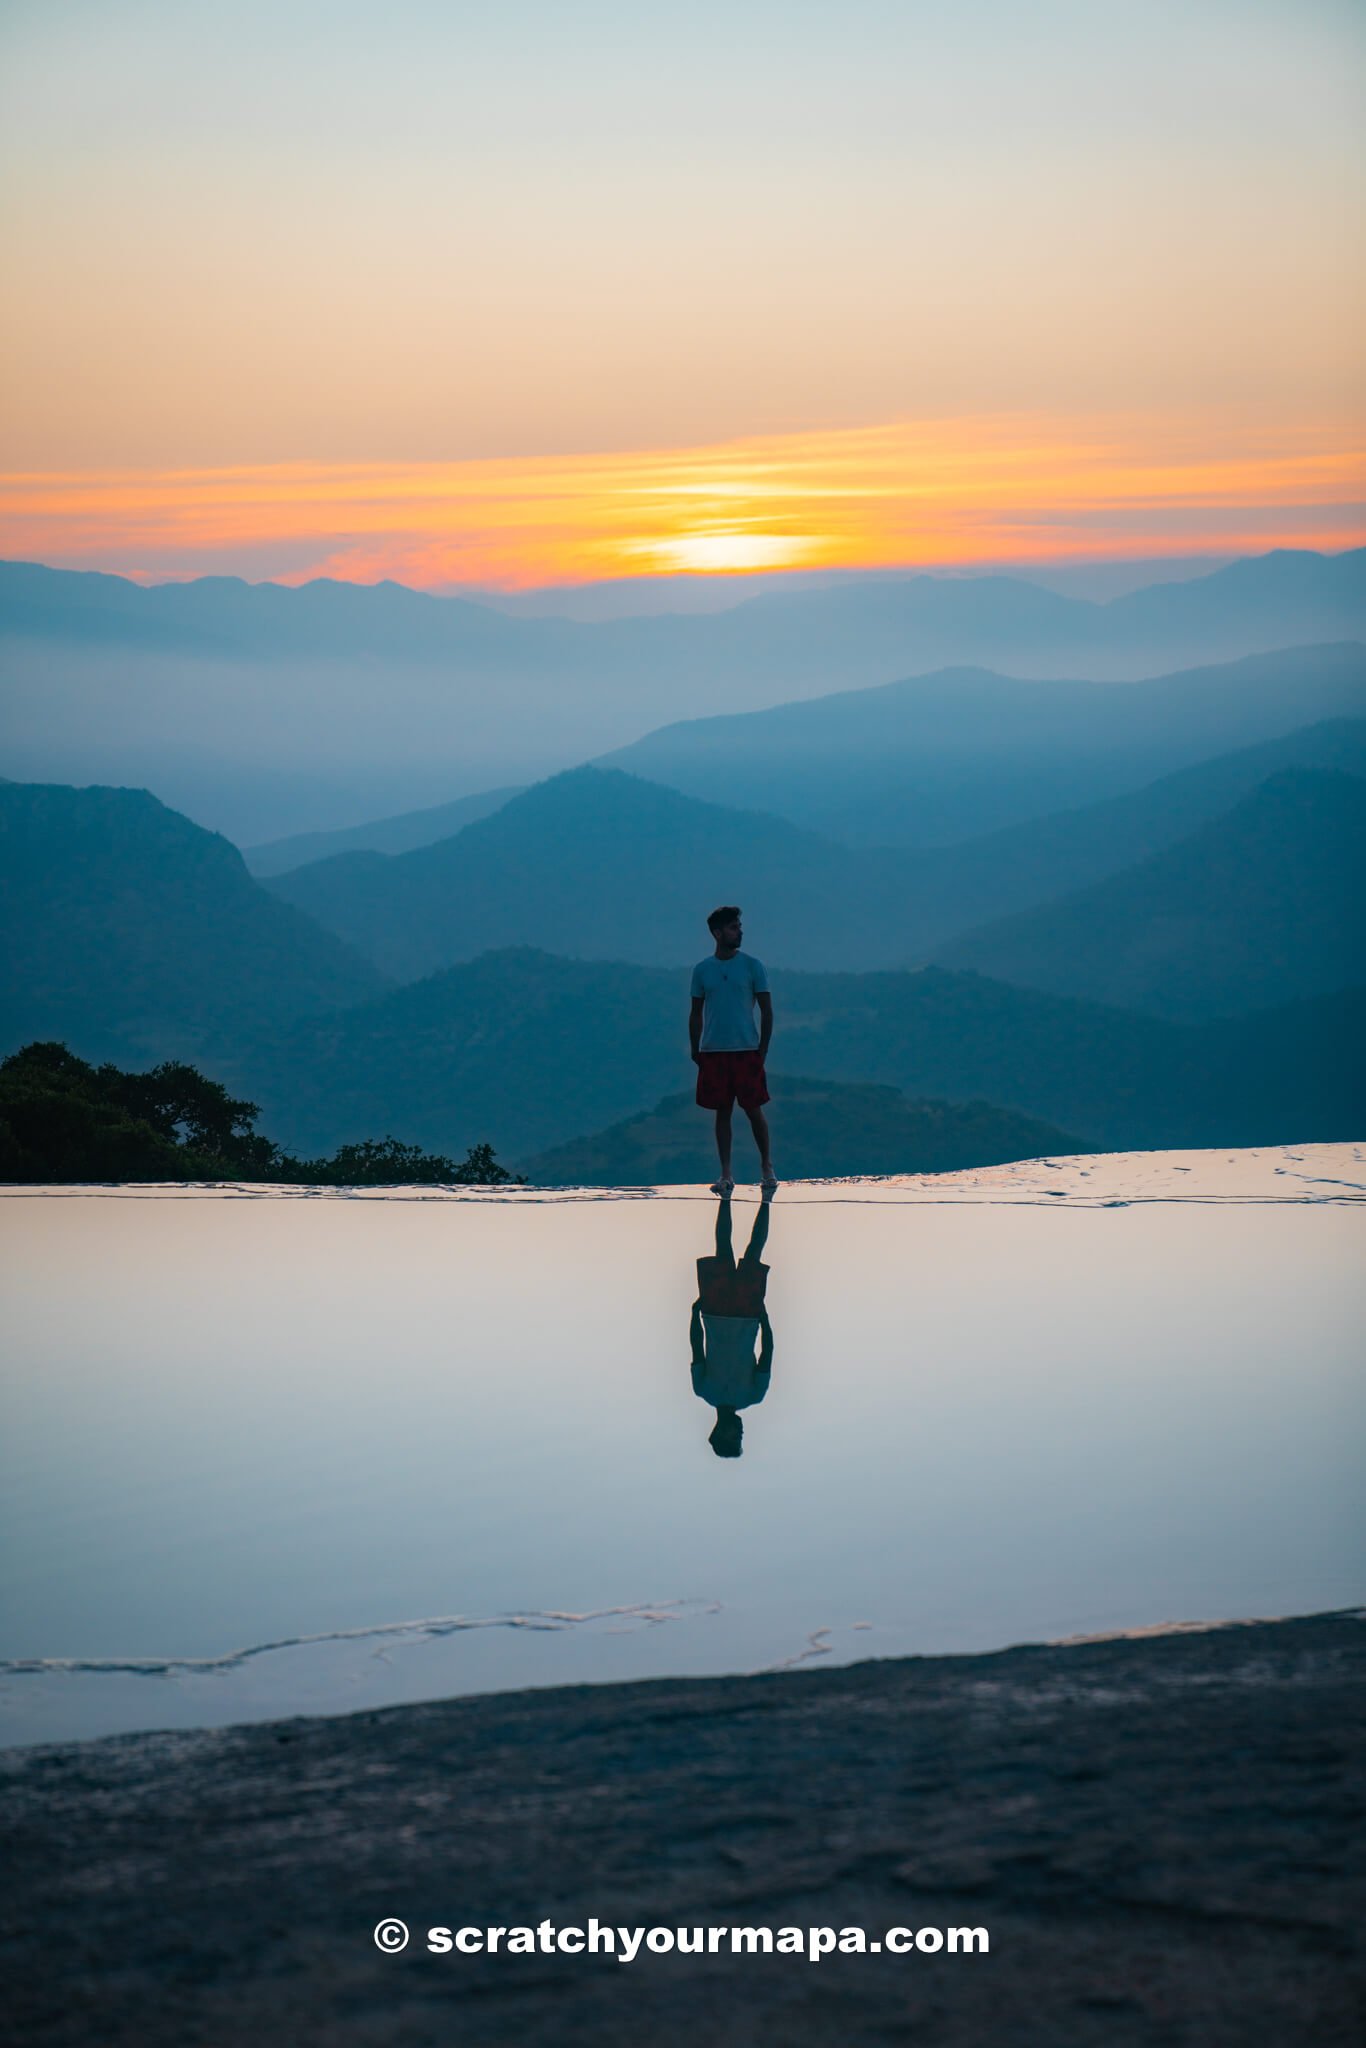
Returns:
(729, 1044)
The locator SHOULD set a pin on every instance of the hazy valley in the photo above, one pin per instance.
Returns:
(1110, 913)
(262, 710)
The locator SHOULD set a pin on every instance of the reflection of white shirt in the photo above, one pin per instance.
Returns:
(728, 989)
(731, 1376)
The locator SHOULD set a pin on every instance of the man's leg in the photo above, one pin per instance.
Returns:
(758, 1123)
(758, 1236)
(725, 1248)
(723, 1141)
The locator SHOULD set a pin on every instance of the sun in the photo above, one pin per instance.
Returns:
(714, 553)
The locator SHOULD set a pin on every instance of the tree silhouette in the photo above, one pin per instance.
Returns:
(63, 1120)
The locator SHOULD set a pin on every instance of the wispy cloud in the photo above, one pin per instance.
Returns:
(948, 491)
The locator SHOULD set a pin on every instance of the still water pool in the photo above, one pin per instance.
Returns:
(275, 1453)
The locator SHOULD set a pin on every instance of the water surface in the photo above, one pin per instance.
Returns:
(458, 1441)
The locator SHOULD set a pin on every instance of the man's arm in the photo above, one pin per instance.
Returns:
(765, 1002)
(695, 1026)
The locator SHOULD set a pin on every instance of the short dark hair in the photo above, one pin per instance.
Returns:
(728, 1433)
(724, 913)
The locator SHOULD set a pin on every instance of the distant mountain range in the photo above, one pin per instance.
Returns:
(382, 835)
(1264, 601)
(1006, 871)
(265, 710)
(1080, 838)
(601, 865)
(635, 596)
(946, 757)
(828, 1128)
(135, 935)
(528, 1052)
(598, 864)
(1257, 907)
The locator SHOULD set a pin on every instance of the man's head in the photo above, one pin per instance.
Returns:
(728, 1432)
(724, 926)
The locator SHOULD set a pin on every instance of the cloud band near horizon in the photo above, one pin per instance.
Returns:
(946, 493)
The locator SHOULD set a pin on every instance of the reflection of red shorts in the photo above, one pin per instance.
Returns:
(726, 1077)
(725, 1289)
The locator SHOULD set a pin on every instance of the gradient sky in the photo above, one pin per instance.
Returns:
(534, 293)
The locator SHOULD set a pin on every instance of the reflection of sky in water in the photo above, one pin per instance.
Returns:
(239, 1422)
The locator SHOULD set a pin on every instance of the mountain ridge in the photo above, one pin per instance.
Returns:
(983, 878)
(134, 931)
(1262, 904)
(953, 754)
(285, 609)
(527, 1051)
(402, 833)
(829, 1128)
(581, 859)
(265, 709)
(599, 864)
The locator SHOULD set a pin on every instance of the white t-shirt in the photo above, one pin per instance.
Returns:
(728, 989)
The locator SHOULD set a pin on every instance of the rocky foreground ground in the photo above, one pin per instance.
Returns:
(1164, 1837)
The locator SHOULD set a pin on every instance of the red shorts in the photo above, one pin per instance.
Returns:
(727, 1077)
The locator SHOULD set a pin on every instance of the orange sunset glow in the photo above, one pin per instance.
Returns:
(495, 302)
(944, 492)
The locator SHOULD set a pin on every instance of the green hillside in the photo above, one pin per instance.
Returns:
(129, 932)
(822, 1128)
(529, 1052)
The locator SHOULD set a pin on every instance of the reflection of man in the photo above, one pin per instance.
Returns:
(728, 1318)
